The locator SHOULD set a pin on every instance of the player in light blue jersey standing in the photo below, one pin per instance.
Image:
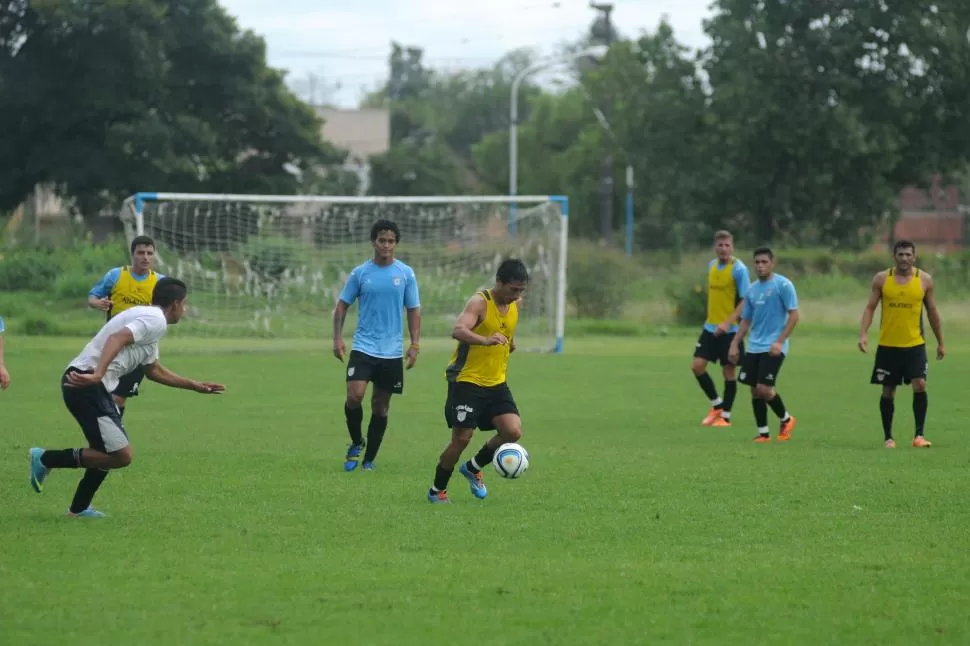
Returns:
(385, 287)
(770, 313)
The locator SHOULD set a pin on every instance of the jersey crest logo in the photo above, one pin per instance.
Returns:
(397, 282)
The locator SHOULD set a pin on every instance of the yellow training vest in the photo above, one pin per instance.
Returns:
(129, 292)
(485, 365)
(901, 325)
(722, 293)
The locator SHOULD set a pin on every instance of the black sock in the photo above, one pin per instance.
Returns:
(707, 385)
(760, 413)
(375, 435)
(920, 405)
(355, 417)
(86, 489)
(730, 392)
(887, 406)
(441, 478)
(482, 458)
(62, 459)
(778, 406)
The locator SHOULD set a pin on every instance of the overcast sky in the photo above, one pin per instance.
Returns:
(345, 44)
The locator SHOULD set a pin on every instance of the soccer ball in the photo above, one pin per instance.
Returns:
(511, 460)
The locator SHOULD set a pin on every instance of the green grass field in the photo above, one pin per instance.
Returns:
(237, 525)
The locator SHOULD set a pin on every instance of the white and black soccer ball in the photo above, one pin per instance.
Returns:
(511, 460)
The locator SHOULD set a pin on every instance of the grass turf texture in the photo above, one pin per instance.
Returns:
(634, 525)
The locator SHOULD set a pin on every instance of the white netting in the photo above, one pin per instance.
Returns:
(274, 266)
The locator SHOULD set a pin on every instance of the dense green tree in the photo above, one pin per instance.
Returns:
(113, 96)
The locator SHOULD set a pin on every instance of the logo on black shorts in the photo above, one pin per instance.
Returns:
(463, 411)
(350, 371)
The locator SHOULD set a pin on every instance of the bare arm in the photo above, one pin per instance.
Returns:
(472, 315)
(339, 316)
(4, 375)
(162, 375)
(735, 315)
(933, 314)
(414, 326)
(114, 345)
(789, 326)
(741, 333)
(875, 296)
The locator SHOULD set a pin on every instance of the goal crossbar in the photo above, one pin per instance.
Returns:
(137, 212)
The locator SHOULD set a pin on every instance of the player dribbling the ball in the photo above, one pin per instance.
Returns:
(478, 394)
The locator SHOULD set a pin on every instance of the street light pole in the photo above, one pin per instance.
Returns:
(514, 118)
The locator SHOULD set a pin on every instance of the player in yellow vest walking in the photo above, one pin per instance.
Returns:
(478, 395)
(123, 288)
(903, 292)
(727, 280)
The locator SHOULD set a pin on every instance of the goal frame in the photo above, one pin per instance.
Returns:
(135, 206)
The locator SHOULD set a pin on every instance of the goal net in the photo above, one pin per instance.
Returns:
(273, 265)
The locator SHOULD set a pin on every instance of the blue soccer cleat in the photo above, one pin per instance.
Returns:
(475, 481)
(353, 456)
(90, 512)
(438, 497)
(38, 472)
(368, 466)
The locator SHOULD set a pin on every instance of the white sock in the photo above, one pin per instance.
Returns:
(475, 464)
(726, 414)
(786, 417)
(716, 402)
(763, 430)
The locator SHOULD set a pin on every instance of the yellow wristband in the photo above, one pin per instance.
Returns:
(414, 346)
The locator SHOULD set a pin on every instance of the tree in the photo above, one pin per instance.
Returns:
(824, 111)
(114, 96)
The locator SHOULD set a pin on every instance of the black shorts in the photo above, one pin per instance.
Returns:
(472, 406)
(714, 349)
(128, 384)
(386, 374)
(760, 368)
(895, 366)
(96, 413)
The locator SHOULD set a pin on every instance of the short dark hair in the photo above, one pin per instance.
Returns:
(142, 241)
(764, 251)
(723, 234)
(904, 244)
(512, 270)
(385, 225)
(167, 291)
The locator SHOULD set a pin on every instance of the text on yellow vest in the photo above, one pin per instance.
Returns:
(901, 325)
(128, 292)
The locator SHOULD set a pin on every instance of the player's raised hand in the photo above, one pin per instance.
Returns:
(863, 343)
(412, 357)
(209, 388)
(339, 349)
(940, 353)
(497, 339)
(4, 378)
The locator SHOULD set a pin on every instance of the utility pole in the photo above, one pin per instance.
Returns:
(606, 200)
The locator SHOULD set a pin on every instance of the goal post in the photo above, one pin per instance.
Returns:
(274, 265)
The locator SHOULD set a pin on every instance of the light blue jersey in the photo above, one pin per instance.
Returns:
(741, 281)
(384, 292)
(767, 304)
(3, 326)
(104, 286)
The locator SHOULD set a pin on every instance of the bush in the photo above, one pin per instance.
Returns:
(600, 281)
(689, 300)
